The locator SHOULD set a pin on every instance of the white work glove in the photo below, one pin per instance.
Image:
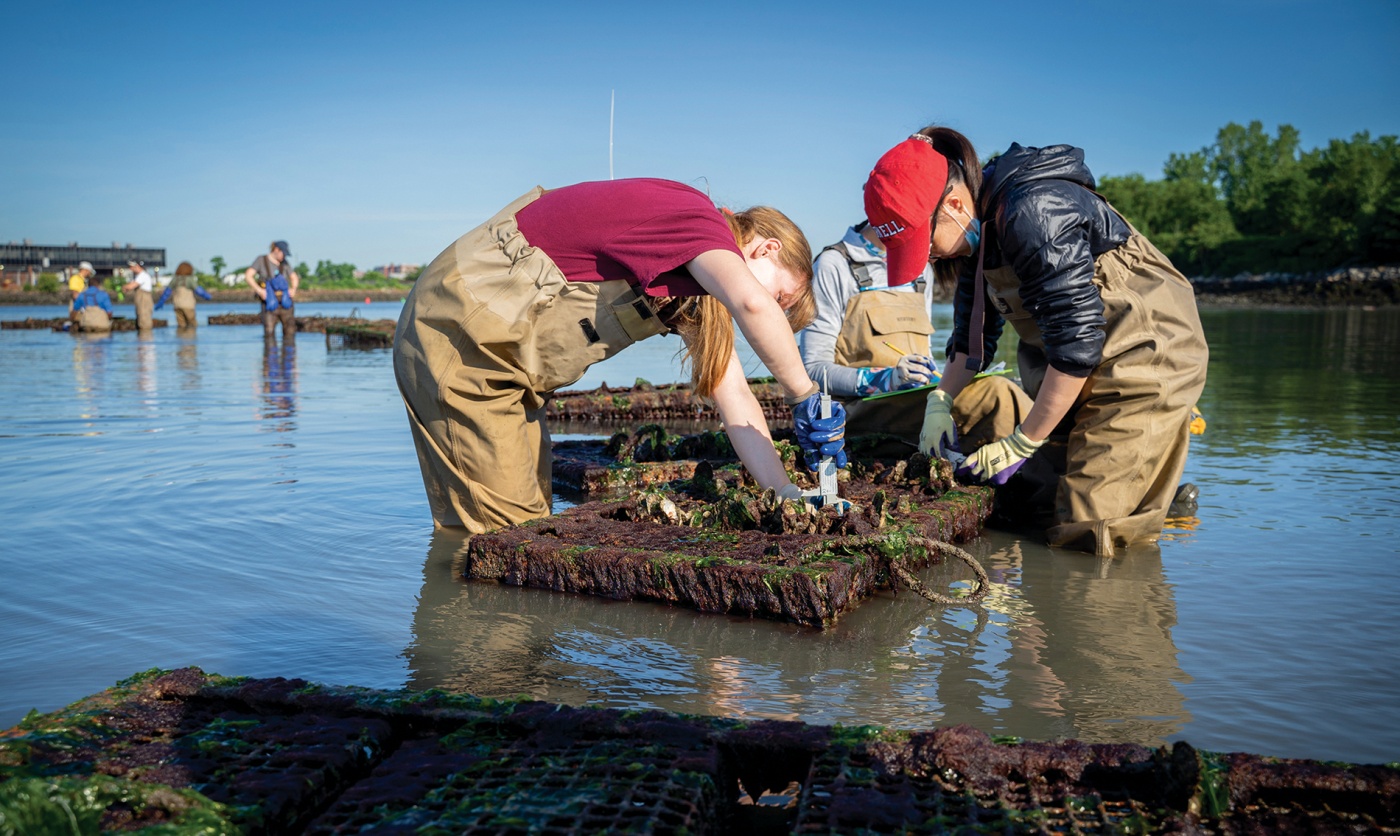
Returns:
(790, 491)
(912, 370)
(939, 437)
(997, 462)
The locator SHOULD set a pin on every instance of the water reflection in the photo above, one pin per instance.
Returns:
(279, 386)
(89, 374)
(187, 360)
(146, 382)
(1081, 647)
(1068, 646)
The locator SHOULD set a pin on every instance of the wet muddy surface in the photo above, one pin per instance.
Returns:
(196, 752)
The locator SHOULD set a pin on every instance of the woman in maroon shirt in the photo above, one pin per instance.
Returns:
(558, 280)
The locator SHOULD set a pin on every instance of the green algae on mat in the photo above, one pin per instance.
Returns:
(1213, 787)
(82, 805)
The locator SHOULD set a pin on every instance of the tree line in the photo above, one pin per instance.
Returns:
(1255, 202)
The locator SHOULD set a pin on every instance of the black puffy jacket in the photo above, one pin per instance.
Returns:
(1041, 218)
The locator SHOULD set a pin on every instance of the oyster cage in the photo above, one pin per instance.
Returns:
(715, 544)
(646, 402)
(186, 752)
(29, 323)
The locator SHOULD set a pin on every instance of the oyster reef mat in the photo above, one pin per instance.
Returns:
(185, 752)
(713, 544)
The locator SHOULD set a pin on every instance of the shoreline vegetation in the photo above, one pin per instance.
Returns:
(1258, 219)
(1377, 286)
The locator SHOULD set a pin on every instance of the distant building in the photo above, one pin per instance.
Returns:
(23, 262)
(397, 272)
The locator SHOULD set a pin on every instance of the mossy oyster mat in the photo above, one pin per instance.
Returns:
(697, 535)
(182, 752)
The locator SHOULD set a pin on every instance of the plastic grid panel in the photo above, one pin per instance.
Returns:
(582, 787)
(850, 792)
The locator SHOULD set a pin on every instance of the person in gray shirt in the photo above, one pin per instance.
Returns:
(870, 338)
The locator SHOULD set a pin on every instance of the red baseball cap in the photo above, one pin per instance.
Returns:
(903, 190)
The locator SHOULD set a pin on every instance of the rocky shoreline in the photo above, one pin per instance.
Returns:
(1345, 287)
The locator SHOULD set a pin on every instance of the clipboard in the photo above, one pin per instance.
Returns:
(926, 387)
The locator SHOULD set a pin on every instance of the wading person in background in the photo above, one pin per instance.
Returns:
(273, 271)
(562, 279)
(870, 336)
(183, 288)
(140, 289)
(1112, 354)
(92, 310)
(78, 282)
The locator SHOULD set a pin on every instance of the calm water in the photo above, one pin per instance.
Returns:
(200, 500)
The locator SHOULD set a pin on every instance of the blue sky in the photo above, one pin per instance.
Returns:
(379, 132)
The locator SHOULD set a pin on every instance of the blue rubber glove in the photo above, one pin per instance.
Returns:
(817, 436)
(998, 462)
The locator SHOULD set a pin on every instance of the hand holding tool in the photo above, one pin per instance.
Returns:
(826, 434)
(939, 435)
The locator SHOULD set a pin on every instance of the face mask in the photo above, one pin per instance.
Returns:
(972, 232)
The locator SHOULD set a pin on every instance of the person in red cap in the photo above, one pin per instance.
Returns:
(1111, 354)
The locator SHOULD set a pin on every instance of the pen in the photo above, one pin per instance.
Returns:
(935, 377)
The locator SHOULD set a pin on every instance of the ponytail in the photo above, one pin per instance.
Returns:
(963, 168)
(708, 327)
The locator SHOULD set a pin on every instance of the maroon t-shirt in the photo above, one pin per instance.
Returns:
(642, 230)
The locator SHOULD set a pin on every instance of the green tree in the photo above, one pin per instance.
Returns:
(1382, 239)
(1352, 181)
(1181, 213)
(328, 272)
(1260, 178)
(217, 264)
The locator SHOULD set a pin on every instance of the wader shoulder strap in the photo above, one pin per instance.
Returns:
(859, 270)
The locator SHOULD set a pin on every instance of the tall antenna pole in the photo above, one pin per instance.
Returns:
(612, 108)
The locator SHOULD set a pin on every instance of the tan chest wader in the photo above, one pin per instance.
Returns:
(878, 319)
(489, 330)
(182, 298)
(144, 309)
(94, 320)
(872, 319)
(1130, 426)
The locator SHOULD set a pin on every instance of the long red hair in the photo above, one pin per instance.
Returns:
(708, 327)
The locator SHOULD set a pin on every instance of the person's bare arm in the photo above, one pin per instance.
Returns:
(293, 283)
(748, 429)
(248, 277)
(1053, 402)
(956, 375)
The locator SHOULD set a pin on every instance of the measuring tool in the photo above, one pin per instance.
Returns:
(824, 495)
